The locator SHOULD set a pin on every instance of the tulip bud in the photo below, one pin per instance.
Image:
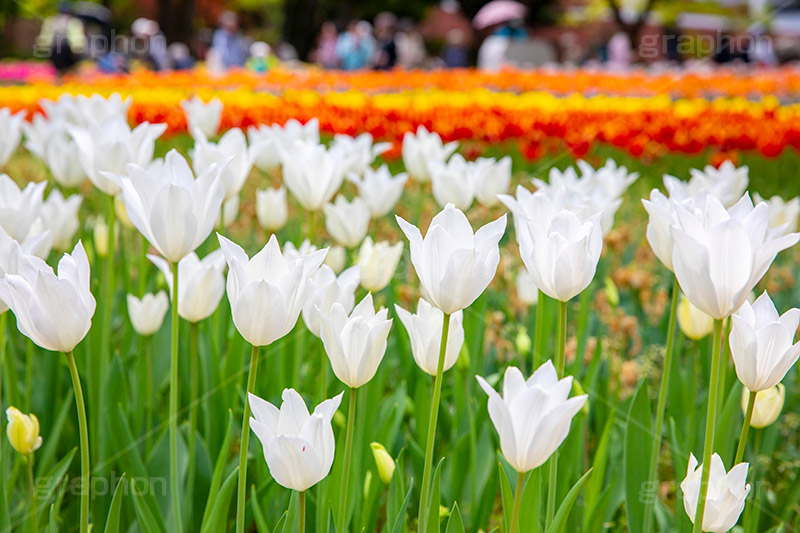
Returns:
(347, 222)
(147, 313)
(523, 342)
(383, 461)
(336, 258)
(272, 210)
(768, 406)
(23, 431)
(230, 210)
(612, 294)
(693, 322)
(100, 236)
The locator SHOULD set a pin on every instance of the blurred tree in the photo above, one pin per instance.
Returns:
(632, 19)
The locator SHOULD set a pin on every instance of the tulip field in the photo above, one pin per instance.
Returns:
(443, 301)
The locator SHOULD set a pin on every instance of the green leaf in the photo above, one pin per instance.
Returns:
(45, 497)
(638, 445)
(560, 519)
(219, 470)
(222, 502)
(281, 523)
(599, 463)
(112, 522)
(531, 508)
(258, 514)
(147, 520)
(400, 519)
(435, 500)
(507, 496)
(455, 524)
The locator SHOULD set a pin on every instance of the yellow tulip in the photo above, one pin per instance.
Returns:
(23, 431)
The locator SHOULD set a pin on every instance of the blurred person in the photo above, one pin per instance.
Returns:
(492, 53)
(386, 43)
(62, 36)
(620, 53)
(149, 45)
(355, 46)
(180, 56)
(325, 52)
(261, 58)
(763, 52)
(455, 52)
(228, 44)
(410, 45)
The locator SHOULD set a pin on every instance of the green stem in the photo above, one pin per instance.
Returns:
(323, 373)
(748, 415)
(312, 217)
(33, 521)
(28, 375)
(661, 406)
(561, 346)
(751, 512)
(240, 497)
(517, 501)
(348, 451)
(148, 384)
(711, 419)
(193, 391)
(538, 331)
(3, 319)
(432, 419)
(301, 522)
(108, 294)
(84, 436)
(173, 409)
(142, 279)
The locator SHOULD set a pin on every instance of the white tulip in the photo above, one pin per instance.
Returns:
(694, 323)
(379, 190)
(492, 177)
(292, 252)
(727, 493)
(767, 407)
(201, 283)
(355, 343)
(454, 265)
(60, 218)
(267, 292)
(267, 142)
(298, 447)
(231, 148)
(359, 151)
(726, 183)
(272, 210)
(202, 116)
(106, 148)
(228, 213)
(532, 417)
(453, 182)
(54, 311)
(325, 289)
(96, 109)
(720, 254)
(762, 343)
(336, 258)
(347, 222)
(425, 332)
(147, 313)
(378, 263)
(174, 211)
(15, 258)
(527, 291)
(421, 148)
(782, 213)
(559, 249)
(19, 208)
(11, 126)
(40, 131)
(312, 173)
(62, 157)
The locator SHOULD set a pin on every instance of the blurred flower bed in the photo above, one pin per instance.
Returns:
(529, 108)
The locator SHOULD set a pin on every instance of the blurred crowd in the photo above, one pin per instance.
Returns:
(495, 37)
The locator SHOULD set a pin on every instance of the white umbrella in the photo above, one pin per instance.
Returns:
(497, 12)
